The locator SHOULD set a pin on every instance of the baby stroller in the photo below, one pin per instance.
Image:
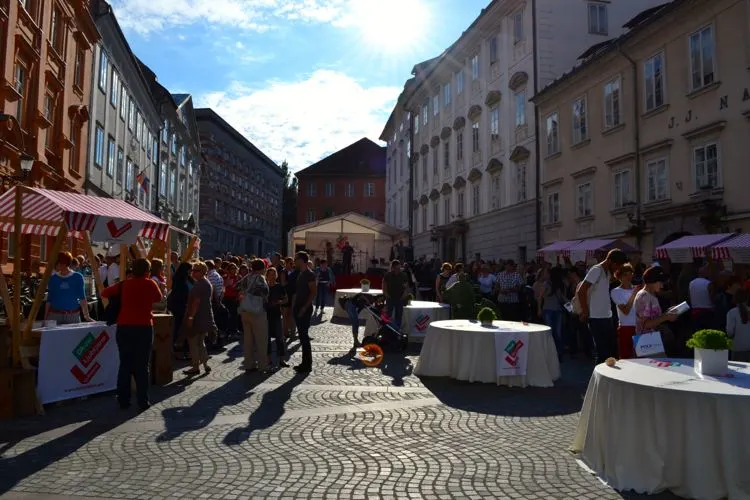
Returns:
(387, 337)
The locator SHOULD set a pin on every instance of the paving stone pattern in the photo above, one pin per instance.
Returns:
(343, 431)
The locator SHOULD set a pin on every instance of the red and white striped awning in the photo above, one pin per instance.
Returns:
(736, 249)
(587, 249)
(44, 211)
(687, 248)
(558, 248)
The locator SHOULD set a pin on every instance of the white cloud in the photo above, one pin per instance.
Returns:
(145, 16)
(304, 121)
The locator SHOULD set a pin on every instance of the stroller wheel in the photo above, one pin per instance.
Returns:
(371, 355)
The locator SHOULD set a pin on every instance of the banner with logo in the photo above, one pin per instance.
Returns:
(77, 360)
(512, 349)
(418, 319)
(116, 231)
(648, 345)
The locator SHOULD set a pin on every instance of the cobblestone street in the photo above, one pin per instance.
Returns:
(343, 431)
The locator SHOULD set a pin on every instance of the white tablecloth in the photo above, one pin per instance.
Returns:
(338, 311)
(464, 350)
(650, 426)
(417, 317)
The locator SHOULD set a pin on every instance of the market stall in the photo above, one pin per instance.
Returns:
(736, 249)
(596, 249)
(34, 211)
(551, 252)
(684, 250)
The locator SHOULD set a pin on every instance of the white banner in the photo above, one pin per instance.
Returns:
(77, 360)
(116, 231)
(512, 353)
(418, 319)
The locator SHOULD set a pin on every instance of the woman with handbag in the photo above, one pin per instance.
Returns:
(199, 319)
(253, 290)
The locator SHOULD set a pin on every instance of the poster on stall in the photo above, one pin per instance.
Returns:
(116, 231)
(512, 348)
(77, 360)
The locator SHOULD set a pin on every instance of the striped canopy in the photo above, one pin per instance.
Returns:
(687, 248)
(44, 211)
(736, 249)
(587, 249)
(557, 248)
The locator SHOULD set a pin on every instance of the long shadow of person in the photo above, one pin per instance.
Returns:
(268, 413)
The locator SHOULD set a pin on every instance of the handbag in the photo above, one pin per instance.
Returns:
(112, 311)
(574, 306)
(251, 303)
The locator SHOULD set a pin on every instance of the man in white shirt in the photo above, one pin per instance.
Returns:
(701, 299)
(113, 268)
(596, 309)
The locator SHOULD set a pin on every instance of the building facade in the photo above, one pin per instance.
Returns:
(46, 67)
(473, 131)
(648, 136)
(125, 122)
(241, 192)
(350, 180)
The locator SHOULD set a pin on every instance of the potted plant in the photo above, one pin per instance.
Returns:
(365, 283)
(711, 351)
(486, 316)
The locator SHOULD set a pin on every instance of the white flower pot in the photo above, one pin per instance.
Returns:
(365, 288)
(711, 362)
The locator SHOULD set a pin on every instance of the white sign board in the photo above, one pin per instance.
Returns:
(77, 360)
(512, 353)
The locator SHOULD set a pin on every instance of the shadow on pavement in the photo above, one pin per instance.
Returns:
(268, 413)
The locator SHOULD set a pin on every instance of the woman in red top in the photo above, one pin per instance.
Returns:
(231, 297)
(135, 331)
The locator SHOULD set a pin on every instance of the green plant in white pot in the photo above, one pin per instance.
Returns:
(711, 351)
(486, 316)
(365, 284)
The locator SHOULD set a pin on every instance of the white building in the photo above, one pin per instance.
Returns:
(466, 120)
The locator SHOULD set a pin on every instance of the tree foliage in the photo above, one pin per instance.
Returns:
(289, 204)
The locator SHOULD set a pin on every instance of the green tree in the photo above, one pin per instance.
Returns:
(289, 204)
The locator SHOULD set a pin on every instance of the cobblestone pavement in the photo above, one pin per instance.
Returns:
(343, 431)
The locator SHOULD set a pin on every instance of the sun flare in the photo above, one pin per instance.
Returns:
(391, 25)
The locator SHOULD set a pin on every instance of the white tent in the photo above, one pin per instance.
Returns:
(370, 238)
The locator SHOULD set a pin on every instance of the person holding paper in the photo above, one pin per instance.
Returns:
(624, 297)
(648, 314)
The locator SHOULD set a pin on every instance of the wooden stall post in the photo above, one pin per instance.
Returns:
(92, 258)
(123, 262)
(5, 294)
(140, 248)
(167, 260)
(17, 278)
(189, 250)
(156, 250)
(61, 236)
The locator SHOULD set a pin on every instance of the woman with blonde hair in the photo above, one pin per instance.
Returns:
(253, 290)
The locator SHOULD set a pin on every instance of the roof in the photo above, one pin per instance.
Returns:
(636, 25)
(179, 99)
(163, 97)
(348, 223)
(49, 210)
(364, 157)
(209, 115)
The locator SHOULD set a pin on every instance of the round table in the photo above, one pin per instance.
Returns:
(339, 312)
(466, 350)
(652, 425)
(417, 317)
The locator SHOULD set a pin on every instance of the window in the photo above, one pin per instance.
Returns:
(475, 137)
(702, 58)
(163, 179)
(493, 50)
(120, 166)
(553, 134)
(49, 114)
(520, 108)
(103, 71)
(521, 182)
(580, 131)
(329, 189)
(475, 191)
(129, 177)
(173, 145)
(165, 132)
(80, 64)
(370, 190)
(123, 103)
(310, 215)
(111, 158)
(99, 146)
(461, 203)
(584, 199)
(447, 210)
(20, 85)
(447, 94)
(657, 180)
(598, 24)
(416, 124)
(435, 105)
(446, 155)
(621, 195)
(518, 26)
(435, 161)
(173, 185)
(475, 67)
(706, 166)
(553, 208)
(612, 103)
(653, 74)
(57, 30)
(425, 114)
(495, 123)
(460, 145)
(459, 82)
(349, 192)
(114, 92)
(131, 114)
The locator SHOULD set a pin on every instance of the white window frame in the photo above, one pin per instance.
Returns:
(719, 181)
(651, 84)
(613, 103)
(103, 70)
(460, 81)
(425, 114)
(312, 190)
(553, 133)
(99, 145)
(447, 94)
(621, 192)
(581, 194)
(475, 138)
(475, 67)
(330, 190)
(519, 99)
(703, 76)
(598, 18)
(416, 124)
(494, 49)
(553, 208)
(369, 190)
(580, 120)
(495, 123)
(436, 104)
(652, 172)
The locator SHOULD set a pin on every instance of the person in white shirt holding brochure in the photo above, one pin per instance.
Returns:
(624, 297)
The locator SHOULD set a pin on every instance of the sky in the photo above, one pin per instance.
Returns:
(300, 79)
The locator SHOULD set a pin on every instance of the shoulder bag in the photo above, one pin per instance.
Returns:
(574, 306)
(252, 304)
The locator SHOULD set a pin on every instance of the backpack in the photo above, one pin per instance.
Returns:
(575, 304)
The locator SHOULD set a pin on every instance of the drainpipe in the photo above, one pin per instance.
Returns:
(637, 144)
(537, 144)
(411, 180)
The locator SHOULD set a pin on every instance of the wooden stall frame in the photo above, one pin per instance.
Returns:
(187, 254)
(95, 272)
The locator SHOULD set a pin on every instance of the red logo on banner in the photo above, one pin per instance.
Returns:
(85, 377)
(115, 231)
